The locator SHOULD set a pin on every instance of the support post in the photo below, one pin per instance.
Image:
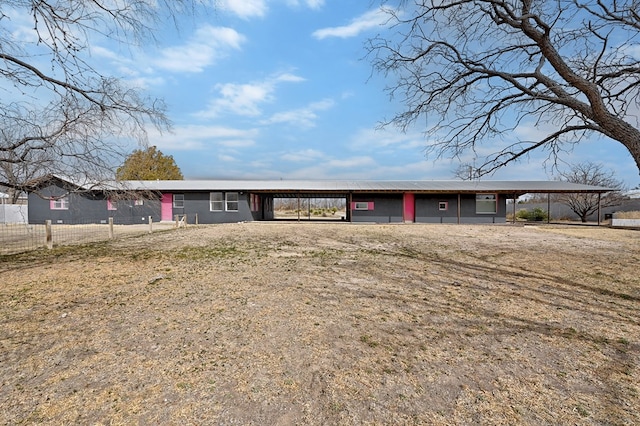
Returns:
(48, 239)
(599, 206)
(459, 204)
(548, 207)
(513, 220)
(150, 224)
(196, 218)
(111, 228)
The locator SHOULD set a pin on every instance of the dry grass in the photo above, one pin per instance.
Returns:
(628, 215)
(265, 323)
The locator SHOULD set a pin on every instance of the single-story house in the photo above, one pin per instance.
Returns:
(224, 201)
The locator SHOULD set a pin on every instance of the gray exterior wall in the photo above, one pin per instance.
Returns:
(89, 208)
(198, 203)
(427, 209)
(387, 208)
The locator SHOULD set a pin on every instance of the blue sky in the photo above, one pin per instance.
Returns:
(281, 89)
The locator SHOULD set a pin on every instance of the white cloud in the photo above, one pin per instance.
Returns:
(371, 19)
(384, 138)
(303, 117)
(304, 156)
(245, 99)
(311, 4)
(206, 46)
(244, 8)
(195, 137)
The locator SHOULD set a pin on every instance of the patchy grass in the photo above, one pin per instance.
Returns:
(325, 324)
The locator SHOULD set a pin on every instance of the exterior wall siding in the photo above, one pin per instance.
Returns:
(198, 203)
(388, 208)
(86, 207)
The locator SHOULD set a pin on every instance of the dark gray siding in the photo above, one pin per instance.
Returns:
(198, 203)
(88, 207)
(387, 208)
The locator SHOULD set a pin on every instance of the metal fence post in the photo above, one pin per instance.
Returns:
(48, 235)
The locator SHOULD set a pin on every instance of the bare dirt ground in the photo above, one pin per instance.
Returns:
(326, 323)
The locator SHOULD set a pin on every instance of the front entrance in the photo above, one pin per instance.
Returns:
(166, 207)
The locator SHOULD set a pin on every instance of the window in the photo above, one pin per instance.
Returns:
(216, 201)
(138, 202)
(486, 203)
(111, 205)
(178, 201)
(231, 199)
(61, 203)
(443, 205)
(360, 205)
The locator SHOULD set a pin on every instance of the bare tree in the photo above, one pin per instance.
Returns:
(594, 174)
(479, 69)
(87, 119)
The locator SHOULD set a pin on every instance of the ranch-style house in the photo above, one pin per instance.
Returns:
(227, 201)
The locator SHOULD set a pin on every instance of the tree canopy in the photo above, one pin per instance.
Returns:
(481, 71)
(149, 164)
(59, 113)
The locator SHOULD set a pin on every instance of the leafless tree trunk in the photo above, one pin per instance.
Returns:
(479, 69)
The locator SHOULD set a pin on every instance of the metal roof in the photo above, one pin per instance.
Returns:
(349, 186)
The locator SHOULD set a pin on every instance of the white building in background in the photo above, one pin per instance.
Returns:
(13, 213)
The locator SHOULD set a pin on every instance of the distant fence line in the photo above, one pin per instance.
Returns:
(21, 237)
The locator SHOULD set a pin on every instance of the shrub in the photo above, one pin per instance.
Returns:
(537, 214)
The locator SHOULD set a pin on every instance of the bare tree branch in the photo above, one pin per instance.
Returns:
(477, 69)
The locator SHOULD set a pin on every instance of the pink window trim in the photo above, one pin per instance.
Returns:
(369, 205)
(63, 201)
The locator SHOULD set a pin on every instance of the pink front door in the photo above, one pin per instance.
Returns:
(409, 207)
(166, 207)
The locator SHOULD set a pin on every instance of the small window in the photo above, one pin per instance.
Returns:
(443, 205)
(61, 203)
(486, 203)
(111, 205)
(216, 201)
(361, 206)
(231, 199)
(178, 201)
(138, 202)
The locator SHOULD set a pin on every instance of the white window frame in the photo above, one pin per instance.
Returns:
(485, 200)
(361, 205)
(229, 202)
(178, 201)
(216, 201)
(138, 202)
(59, 203)
(443, 206)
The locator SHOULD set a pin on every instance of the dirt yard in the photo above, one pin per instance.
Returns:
(326, 323)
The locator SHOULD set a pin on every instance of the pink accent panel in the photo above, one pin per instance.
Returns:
(370, 205)
(409, 211)
(166, 206)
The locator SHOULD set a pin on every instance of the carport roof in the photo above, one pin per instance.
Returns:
(358, 186)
